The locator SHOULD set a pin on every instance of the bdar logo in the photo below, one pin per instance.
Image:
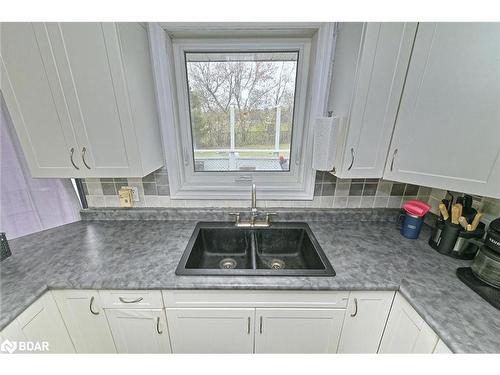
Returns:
(8, 346)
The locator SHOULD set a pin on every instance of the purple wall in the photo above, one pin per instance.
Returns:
(29, 205)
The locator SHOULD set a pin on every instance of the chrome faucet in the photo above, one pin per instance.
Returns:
(254, 213)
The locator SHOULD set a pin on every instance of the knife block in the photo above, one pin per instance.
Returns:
(450, 239)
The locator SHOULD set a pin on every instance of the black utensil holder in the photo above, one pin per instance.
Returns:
(444, 236)
(437, 231)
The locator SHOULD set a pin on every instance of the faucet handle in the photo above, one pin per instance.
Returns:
(236, 216)
(269, 214)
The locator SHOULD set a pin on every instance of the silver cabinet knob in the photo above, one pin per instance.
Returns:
(393, 157)
(123, 300)
(90, 306)
(84, 150)
(71, 152)
(352, 159)
(158, 326)
(355, 308)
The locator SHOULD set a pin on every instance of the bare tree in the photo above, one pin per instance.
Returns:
(253, 87)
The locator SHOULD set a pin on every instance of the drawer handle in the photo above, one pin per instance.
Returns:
(248, 326)
(123, 300)
(352, 159)
(355, 308)
(393, 157)
(71, 152)
(90, 306)
(158, 326)
(84, 150)
(260, 325)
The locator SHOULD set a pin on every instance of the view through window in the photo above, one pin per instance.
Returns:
(241, 107)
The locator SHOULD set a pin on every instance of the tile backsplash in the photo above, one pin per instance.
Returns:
(329, 192)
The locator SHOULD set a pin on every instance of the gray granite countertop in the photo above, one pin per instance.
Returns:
(366, 255)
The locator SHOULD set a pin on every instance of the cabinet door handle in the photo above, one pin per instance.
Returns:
(393, 157)
(90, 306)
(352, 159)
(355, 308)
(84, 150)
(71, 152)
(158, 326)
(248, 325)
(123, 300)
(260, 325)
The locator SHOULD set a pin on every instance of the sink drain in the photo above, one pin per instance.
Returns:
(227, 263)
(277, 264)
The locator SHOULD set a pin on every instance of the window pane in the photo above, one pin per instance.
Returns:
(241, 108)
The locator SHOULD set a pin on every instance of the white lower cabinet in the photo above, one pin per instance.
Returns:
(406, 331)
(365, 321)
(298, 330)
(139, 330)
(41, 325)
(85, 319)
(211, 330)
(441, 348)
(211, 321)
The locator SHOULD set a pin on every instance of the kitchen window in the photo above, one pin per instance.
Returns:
(236, 110)
(241, 107)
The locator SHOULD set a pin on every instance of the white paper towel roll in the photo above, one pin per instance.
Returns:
(325, 142)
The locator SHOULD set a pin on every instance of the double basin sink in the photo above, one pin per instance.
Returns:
(285, 249)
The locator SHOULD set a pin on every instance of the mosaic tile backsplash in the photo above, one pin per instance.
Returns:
(329, 192)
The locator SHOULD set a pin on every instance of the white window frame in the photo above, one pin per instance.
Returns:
(311, 98)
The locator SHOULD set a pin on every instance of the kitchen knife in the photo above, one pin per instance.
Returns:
(450, 201)
(467, 202)
(444, 211)
(475, 222)
(456, 212)
(463, 222)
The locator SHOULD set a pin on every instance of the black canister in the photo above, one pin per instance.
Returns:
(436, 234)
(448, 238)
(468, 243)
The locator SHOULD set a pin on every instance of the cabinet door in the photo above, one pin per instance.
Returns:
(139, 331)
(85, 319)
(42, 322)
(207, 330)
(441, 348)
(365, 321)
(88, 60)
(383, 60)
(35, 101)
(447, 129)
(298, 330)
(406, 331)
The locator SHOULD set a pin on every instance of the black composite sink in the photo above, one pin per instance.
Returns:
(286, 249)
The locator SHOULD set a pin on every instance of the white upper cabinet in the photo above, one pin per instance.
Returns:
(96, 87)
(35, 101)
(369, 71)
(447, 133)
